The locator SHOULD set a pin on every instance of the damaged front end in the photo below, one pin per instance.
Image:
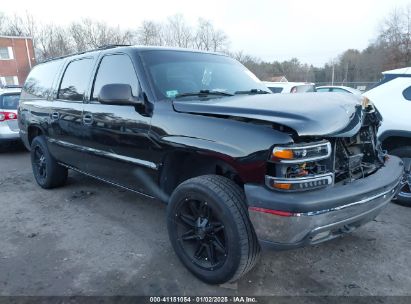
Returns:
(343, 157)
(360, 155)
(319, 188)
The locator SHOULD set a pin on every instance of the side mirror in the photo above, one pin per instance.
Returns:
(117, 94)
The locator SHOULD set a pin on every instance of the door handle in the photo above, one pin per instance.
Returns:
(87, 119)
(55, 115)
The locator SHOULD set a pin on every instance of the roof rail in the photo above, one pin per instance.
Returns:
(103, 47)
(110, 46)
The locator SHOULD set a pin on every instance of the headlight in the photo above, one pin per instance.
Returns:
(300, 167)
(301, 153)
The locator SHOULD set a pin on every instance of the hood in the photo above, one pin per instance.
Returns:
(309, 114)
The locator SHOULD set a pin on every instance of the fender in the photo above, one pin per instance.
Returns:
(394, 133)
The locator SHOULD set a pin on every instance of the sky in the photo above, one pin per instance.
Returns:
(314, 31)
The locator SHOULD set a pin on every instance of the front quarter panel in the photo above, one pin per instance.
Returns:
(245, 146)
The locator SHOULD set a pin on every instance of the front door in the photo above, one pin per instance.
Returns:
(117, 138)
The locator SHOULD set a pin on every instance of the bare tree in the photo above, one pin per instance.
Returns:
(52, 42)
(395, 37)
(89, 34)
(208, 38)
(177, 32)
(150, 33)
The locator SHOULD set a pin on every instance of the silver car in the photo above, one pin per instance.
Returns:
(9, 102)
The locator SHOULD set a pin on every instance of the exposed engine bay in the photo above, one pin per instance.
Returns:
(351, 158)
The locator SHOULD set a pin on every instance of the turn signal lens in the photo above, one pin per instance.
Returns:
(282, 186)
(283, 154)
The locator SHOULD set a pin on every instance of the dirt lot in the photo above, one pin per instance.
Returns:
(89, 238)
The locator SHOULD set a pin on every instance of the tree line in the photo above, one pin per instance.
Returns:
(390, 49)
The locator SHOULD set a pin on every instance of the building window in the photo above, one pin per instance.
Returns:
(6, 53)
(9, 80)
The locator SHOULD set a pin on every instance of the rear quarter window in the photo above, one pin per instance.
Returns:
(9, 101)
(305, 88)
(407, 93)
(39, 83)
(276, 89)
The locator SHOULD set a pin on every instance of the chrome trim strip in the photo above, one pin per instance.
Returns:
(363, 201)
(137, 161)
(296, 147)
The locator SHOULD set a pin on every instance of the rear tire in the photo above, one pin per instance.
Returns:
(47, 172)
(404, 197)
(210, 230)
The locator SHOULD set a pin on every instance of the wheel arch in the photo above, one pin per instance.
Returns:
(395, 138)
(33, 131)
(179, 166)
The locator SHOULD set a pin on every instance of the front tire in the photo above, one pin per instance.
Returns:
(210, 230)
(404, 196)
(47, 172)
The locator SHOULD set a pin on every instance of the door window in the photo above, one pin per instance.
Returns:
(323, 89)
(407, 93)
(75, 80)
(115, 69)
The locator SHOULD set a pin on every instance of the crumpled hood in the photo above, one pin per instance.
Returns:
(309, 114)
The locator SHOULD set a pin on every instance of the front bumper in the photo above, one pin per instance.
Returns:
(312, 217)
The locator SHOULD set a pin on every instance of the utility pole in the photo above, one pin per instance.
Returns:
(332, 75)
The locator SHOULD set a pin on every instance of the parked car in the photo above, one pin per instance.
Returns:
(9, 101)
(237, 165)
(392, 95)
(290, 87)
(339, 89)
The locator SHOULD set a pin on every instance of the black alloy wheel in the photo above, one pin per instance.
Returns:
(209, 228)
(39, 163)
(201, 234)
(47, 171)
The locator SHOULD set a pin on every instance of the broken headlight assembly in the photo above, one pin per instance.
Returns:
(300, 167)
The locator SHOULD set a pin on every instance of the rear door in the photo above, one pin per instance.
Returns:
(117, 135)
(67, 129)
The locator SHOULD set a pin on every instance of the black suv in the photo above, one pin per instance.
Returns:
(237, 166)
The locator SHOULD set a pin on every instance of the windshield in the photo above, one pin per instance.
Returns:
(178, 72)
(9, 101)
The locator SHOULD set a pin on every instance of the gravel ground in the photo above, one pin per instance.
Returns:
(89, 238)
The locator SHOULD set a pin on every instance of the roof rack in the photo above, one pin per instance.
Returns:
(103, 47)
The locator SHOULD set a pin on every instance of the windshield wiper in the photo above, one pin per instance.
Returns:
(252, 91)
(204, 93)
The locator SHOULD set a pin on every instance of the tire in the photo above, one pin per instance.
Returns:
(404, 197)
(210, 231)
(47, 172)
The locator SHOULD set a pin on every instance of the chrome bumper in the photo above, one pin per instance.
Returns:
(284, 229)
